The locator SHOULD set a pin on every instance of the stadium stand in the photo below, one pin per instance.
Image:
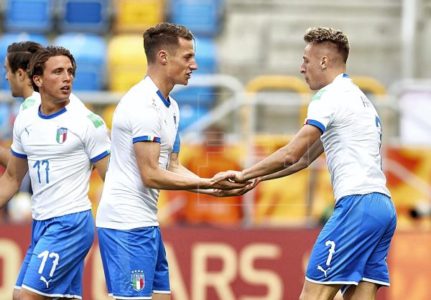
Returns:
(203, 17)
(126, 64)
(137, 15)
(84, 15)
(90, 54)
(29, 15)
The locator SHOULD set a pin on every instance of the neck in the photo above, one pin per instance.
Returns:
(49, 107)
(160, 80)
(27, 92)
(332, 74)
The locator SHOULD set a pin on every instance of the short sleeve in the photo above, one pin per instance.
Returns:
(145, 125)
(96, 139)
(16, 147)
(320, 111)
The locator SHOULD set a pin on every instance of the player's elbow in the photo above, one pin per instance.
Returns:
(149, 178)
(149, 181)
(290, 159)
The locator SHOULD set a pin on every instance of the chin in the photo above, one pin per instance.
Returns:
(62, 99)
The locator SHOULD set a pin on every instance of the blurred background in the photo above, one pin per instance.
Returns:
(245, 101)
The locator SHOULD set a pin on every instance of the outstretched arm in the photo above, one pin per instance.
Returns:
(311, 155)
(176, 167)
(176, 177)
(284, 157)
(11, 179)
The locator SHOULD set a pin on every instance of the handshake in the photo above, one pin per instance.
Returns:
(229, 183)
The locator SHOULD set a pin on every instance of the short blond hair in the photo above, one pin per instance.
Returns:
(336, 37)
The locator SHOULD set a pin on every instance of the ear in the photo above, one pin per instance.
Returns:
(324, 63)
(162, 56)
(22, 74)
(37, 79)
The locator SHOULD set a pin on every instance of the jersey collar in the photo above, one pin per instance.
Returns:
(166, 101)
(51, 116)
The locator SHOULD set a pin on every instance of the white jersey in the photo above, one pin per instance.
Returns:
(60, 149)
(352, 133)
(142, 115)
(34, 100)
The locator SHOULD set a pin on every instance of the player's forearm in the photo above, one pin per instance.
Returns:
(168, 180)
(311, 155)
(300, 165)
(276, 162)
(181, 170)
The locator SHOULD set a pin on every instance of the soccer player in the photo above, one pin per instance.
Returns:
(16, 64)
(350, 252)
(145, 149)
(58, 143)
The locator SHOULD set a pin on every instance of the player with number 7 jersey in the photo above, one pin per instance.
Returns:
(58, 143)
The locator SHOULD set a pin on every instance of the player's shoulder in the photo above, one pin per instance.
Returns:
(26, 116)
(83, 117)
(74, 100)
(335, 91)
(94, 120)
(30, 102)
(137, 98)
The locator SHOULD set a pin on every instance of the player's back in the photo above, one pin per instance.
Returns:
(352, 140)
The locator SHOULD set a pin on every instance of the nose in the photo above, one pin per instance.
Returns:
(67, 76)
(302, 69)
(193, 65)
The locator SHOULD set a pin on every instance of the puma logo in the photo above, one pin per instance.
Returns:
(323, 270)
(46, 282)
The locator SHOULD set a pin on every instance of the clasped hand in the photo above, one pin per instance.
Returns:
(231, 183)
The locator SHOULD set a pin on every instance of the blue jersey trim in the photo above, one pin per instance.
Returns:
(100, 156)
(146, 138)
(317, 124)
(166, 102)
(177, 144)
(61, 111)
(19, 155)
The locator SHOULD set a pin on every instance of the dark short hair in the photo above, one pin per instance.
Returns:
(164, 35)
(37, 62)
(320, 35)
(20, 53)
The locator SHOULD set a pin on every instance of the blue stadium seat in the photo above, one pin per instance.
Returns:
(9, 38)
(206, 58)
(202, 17)
(28, 15)
(89, 51)
(84, 15)
(190, 113)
